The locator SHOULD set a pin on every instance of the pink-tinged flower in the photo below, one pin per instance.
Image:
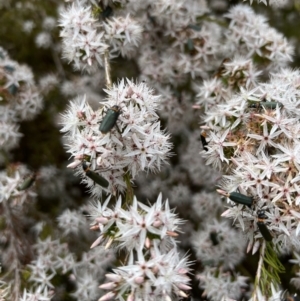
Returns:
(266, 138)
(218, 143)
(108, 296)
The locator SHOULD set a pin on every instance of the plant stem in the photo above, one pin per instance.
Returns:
(57, 62)
(129, 190)
(18, 249)
(259, 268)
(107, 70)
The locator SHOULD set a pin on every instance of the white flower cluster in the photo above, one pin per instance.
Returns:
(19, 99)
(154, 270)
(132, 229)
(54, 257)
(178, 14)
(124, 34)
(82, 43)
(250, 34)
(89, 271)
(233, 74)
(134, 144)
(218, 285)
(173, 65)
(86, 40)
(51, 256)
(254, 137)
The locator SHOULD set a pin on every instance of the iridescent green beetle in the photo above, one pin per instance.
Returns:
(110, 119)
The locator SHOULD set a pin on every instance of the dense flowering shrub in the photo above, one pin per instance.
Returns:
(150, 226)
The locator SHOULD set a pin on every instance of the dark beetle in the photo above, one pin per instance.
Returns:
(94, 176)
(241, 198)
(261, 217)
(266, 104)
(237, 197)
(110, 119)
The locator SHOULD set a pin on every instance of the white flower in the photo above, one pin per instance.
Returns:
(86, 287)
(43, 40)
(219, 144)
(70, 222)
(266, 138)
